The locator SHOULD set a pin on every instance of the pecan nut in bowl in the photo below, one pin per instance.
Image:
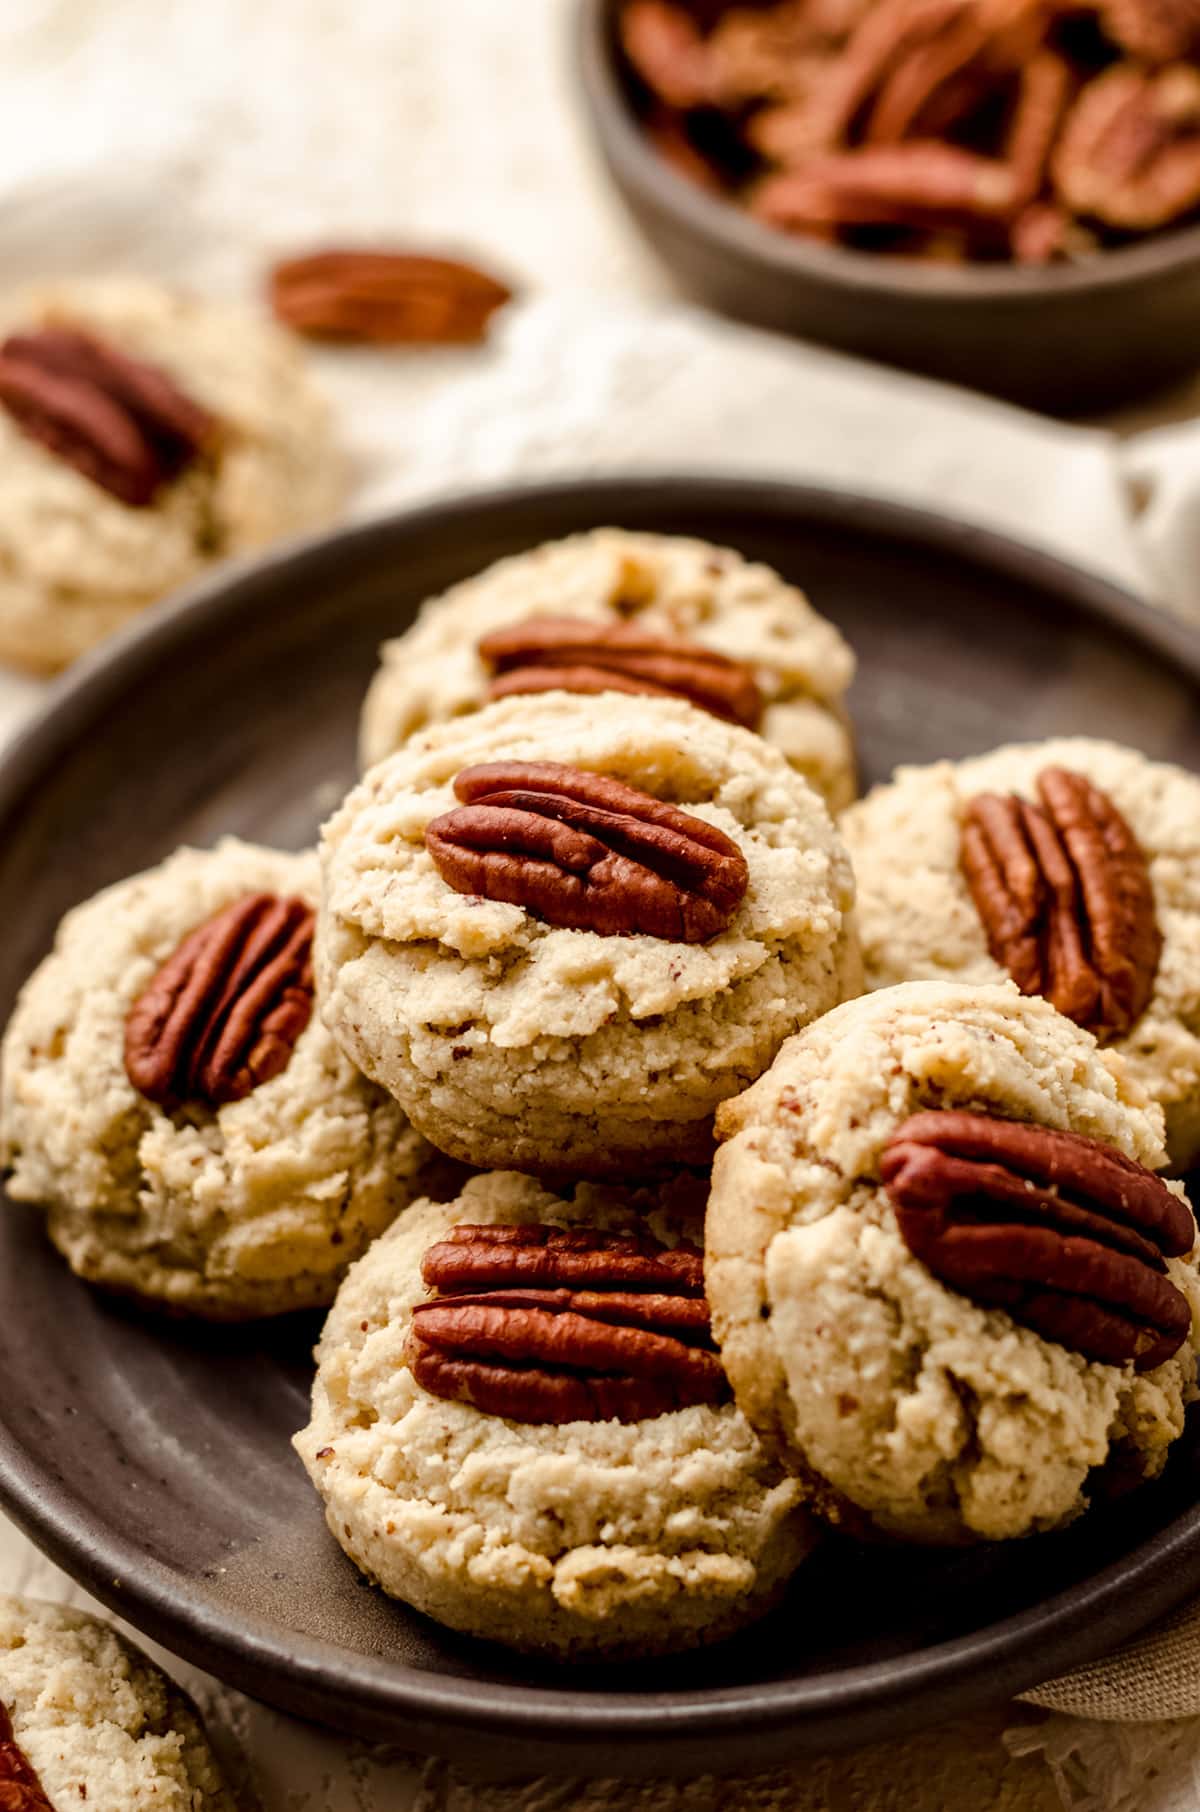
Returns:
(520, 1426)
(85, 1717)
(948, 1288)
(930, 128)
(1069, 866)
(174, 1104)
(615, 611)
(561, 930)
(158, 433)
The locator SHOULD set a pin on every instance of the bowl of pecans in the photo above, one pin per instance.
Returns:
(1002, 193)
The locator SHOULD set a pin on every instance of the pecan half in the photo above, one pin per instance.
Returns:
(565, 653)
(542, 1324)
(385, 297)
(1156, 31)
(20, 1788)
(1129, 154)
(587, 852)
(1064, 1233)
(665, 47)
(122, 423)
(224, 1013)
(1065, 896)
(921, 183)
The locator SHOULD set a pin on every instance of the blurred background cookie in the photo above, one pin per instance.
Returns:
(562, 929)
(632, 613)
(1071, 865)
(143, 435)
(86, 1718)
(570, 1477)
(947, 1288)
(173, 1102)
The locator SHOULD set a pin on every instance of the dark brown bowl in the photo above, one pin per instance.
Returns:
(152, 1460)
(1070, 339)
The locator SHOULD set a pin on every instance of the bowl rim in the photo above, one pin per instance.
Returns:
(1064, 1630)
(638, 165)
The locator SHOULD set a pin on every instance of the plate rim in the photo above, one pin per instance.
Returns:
(1065, 1630)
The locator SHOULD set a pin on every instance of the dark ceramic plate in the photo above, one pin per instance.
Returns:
(152, 1461)
(1069, 337)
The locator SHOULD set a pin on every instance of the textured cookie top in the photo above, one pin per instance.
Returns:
(667, 585)
(97, 1721)
(274, 468)
(918, 919)
(933, 1416)
(535, 1533)
(254, 1205)
(525, 978)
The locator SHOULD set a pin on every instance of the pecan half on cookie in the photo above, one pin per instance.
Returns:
(224, 1013)
(587, 852)
(1066, 1234)
(122, 423)
(544, 1324)
(569, 654)
(1065, 896)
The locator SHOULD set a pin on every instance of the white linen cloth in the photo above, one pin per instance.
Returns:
(197, 139)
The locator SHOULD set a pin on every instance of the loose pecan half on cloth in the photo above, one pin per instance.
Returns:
(1065, 896)
(224, 1013)
(122, 423)
(544, 1324)
(586, 852)
(1066, 1234)
(20, 1788)
(564, 653)
(385, 297)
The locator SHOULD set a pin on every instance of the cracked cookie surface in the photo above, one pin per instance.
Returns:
(902, 1404)
(516, 1044)
(666, 585)
(252, 1208)
(585, 1539)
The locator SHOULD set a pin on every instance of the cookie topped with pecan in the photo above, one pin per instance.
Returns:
(173, 1102)
(561, 930)
(157, 433)
(611, 611)
(948, 1287)
(520, 1425)
(1070, 866)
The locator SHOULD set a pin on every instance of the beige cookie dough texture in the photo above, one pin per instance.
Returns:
(667, 584)
(513, 1044)
(900, 1402)
(585, 1539)
(77, 563)
(252, 1209)
(918, 920)
(99, 1723)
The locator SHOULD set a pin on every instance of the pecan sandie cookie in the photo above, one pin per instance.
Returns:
(172, 1100)
(520, 1426)
(1070, 866)
(611, 611)
(562, 930)
(948, 1288)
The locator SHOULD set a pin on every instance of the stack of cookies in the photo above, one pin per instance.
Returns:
(658, 1230)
